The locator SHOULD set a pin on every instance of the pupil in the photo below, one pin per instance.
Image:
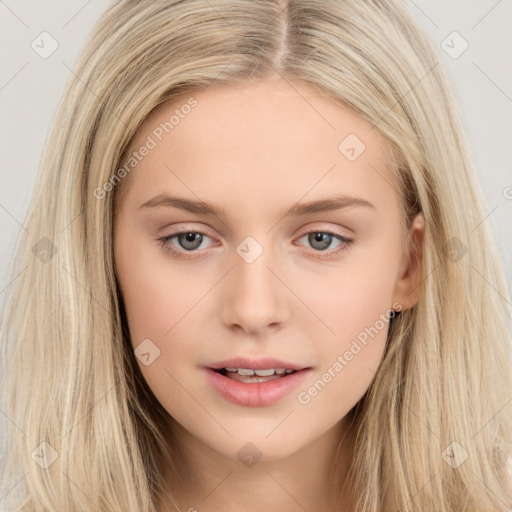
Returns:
(323, 238)
(190, 239)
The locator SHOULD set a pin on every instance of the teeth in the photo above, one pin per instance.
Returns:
(265, 373)
(260, 373)
(245, 371)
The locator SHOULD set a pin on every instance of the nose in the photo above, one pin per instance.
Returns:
(253, 298)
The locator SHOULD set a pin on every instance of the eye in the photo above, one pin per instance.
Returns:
(320, 241)
(188, 241)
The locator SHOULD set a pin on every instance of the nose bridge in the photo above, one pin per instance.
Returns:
(254, 298)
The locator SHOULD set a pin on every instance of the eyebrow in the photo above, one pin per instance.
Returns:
(201, 207)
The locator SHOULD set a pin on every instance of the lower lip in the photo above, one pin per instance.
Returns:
(255, 394)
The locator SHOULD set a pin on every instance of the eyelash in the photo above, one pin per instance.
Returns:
(346, 243)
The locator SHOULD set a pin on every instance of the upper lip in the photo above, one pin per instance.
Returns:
(255, 364)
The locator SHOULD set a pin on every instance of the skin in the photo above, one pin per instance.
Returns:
(256, 149)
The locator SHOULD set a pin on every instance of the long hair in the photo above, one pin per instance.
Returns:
(83, 430)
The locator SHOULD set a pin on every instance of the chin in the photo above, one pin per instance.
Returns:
(262, 448)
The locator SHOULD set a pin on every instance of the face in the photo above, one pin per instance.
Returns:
(297, 260)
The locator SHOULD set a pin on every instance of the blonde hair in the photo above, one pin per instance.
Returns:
(69, 374)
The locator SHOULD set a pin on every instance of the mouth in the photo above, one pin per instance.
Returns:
(255, 383)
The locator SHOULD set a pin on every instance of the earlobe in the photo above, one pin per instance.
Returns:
(410, 273)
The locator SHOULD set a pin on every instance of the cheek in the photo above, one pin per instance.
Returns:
(349, 358)
(157, 295)
(354, 295)
(355, 303)
(159, 301)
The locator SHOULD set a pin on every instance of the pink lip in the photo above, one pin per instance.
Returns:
(255, 364)
(255, 394)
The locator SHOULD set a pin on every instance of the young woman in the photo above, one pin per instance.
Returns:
(255, 273)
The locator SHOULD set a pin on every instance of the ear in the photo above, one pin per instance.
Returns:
(410, 275)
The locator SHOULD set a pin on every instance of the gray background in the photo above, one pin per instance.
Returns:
(31, 86)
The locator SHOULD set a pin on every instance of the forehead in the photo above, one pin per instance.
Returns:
(266, 141)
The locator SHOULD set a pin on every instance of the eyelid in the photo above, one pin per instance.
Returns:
(321, 228)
